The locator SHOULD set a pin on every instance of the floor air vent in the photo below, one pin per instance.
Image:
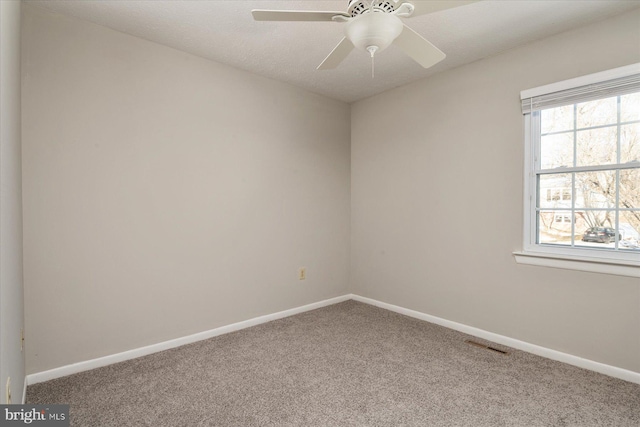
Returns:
(488, 347)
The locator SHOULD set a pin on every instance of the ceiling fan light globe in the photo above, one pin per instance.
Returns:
(373, 29)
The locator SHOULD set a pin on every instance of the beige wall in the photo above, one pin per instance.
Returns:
(165, 194)
(11, 291)
(437, 202)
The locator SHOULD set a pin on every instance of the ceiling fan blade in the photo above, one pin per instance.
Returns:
(418, 48)
(422, 7)
(294, 15)
(337, 55)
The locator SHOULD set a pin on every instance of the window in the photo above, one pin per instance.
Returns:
(582, 171)
(557, 194)
(562, 218)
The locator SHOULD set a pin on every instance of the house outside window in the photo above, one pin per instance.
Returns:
(582, 169)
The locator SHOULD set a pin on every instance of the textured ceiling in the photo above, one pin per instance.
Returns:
(225, 31)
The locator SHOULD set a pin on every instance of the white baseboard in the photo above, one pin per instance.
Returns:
(612, 371)
(87, 365)
(480, 333)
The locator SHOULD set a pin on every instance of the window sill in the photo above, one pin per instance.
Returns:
(594, 265)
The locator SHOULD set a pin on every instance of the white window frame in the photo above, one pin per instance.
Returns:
(621, 263)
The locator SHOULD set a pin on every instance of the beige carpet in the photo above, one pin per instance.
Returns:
(349, 364)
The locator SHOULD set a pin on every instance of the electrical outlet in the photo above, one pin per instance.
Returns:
(302, 273)
(8, 391)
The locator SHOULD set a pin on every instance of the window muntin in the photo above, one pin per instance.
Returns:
(587, 169)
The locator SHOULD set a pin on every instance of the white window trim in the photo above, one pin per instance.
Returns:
(592, 260)
(579, 263)
(615, 73)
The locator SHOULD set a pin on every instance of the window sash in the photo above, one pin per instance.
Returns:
(532, 165)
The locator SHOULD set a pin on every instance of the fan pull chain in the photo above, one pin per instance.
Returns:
(372, 67)
(372, 50)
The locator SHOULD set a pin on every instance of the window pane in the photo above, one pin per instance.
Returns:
(596, 189)
(630, 107)
(597, 113)
(556, 150)
(630, 143)
(554, 191)
(595, 229)
(557, 119)
(630, 230)
(596, 146)
(630, 189)
(552, 231)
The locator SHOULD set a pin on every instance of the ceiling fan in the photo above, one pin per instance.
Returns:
(372, 25)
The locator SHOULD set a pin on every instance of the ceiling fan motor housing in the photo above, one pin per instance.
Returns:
(358, 7)
(373, 29)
